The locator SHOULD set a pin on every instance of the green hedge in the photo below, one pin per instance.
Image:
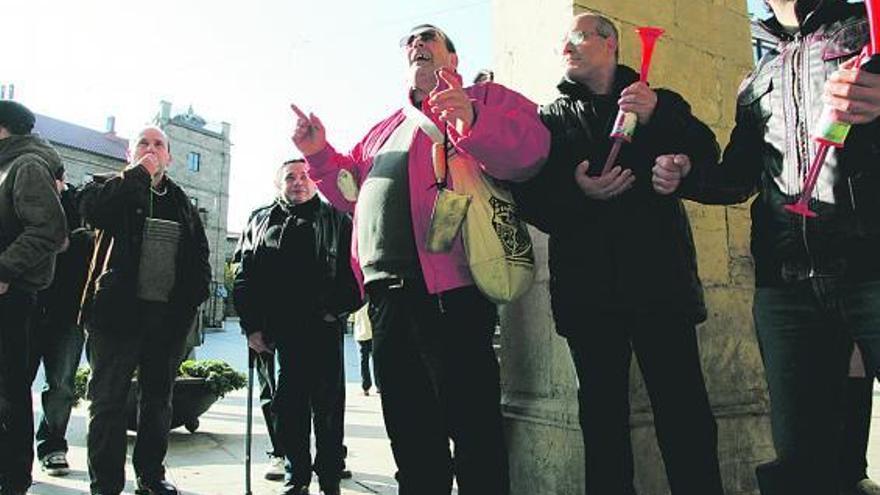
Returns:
(219, 377)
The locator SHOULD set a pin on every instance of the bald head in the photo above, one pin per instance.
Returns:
(603, 26)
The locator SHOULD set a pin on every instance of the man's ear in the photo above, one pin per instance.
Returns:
(453, 61)
(611, 44)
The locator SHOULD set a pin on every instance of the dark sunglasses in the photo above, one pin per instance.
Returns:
(424, 36)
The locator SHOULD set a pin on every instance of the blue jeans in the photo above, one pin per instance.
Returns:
(59, 347)
(805, 330)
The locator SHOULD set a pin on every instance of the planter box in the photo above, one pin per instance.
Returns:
(191, 399)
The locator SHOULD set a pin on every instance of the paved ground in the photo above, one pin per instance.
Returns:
(211, 460)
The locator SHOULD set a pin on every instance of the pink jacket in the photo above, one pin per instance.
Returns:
(507, 138)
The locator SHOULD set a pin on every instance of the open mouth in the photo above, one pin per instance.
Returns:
(421, 57)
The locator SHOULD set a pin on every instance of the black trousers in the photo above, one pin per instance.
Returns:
(666, 350)
(310, 373)
(439, 374)
(266, 376)
(858, 399)
(16, 408)
(366, 348)
(149, 346)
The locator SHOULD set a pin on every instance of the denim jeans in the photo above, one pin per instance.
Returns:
(59, 347)
(16, 415)
(805, 332)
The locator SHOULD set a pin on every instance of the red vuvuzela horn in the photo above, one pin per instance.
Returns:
(649, 37)
(625, 122)
(873, 7)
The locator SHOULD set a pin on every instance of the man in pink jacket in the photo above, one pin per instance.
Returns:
(432, 327)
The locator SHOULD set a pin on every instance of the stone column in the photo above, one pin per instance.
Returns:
(703, 55)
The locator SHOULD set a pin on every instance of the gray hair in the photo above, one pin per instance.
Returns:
(604, 28)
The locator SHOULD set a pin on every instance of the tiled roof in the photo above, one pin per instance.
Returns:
(81, 138)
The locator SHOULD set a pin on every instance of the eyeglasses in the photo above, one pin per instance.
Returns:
(578, 37)
(424, 36)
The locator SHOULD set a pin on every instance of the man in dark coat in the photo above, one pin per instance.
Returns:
(140, 300)
(622, 264)
(294, 289)
(57, 338)
(32, 230)
(817, 279)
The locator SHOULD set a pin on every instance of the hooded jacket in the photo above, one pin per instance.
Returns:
(771, 148)
(32, 224)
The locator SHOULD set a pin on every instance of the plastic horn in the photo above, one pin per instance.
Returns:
(830, 132)
(873, 7)
(625, 122)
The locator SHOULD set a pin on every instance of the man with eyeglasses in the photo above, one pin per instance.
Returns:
(622, 264)
(432, 327)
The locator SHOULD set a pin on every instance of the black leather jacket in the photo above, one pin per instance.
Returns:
(771, 148)
(634, 252)
(256, 260)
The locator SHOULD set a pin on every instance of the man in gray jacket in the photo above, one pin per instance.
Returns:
(32, 230)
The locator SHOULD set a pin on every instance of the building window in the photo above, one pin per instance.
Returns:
(193, 161)
(194, 200)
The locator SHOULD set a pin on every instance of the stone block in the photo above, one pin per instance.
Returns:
(710, 237)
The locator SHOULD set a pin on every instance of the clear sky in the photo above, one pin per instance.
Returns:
(234, 61)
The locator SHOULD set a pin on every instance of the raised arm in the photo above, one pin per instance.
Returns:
(326, 164)
(507, 136)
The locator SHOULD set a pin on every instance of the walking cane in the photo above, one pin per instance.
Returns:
(249, 422)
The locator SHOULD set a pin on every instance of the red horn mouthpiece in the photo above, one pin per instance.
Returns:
(649, 37)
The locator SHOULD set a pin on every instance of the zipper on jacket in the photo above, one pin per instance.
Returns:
(800, 64)
(852, 194)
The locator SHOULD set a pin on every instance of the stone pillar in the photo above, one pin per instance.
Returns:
(703, 55)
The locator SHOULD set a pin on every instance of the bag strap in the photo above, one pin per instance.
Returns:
(438, 150)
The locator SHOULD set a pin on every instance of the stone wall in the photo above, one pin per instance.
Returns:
(80, 165)
(209, 186)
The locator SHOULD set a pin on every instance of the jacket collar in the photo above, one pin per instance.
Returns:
(289, 208)
(623, 77)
